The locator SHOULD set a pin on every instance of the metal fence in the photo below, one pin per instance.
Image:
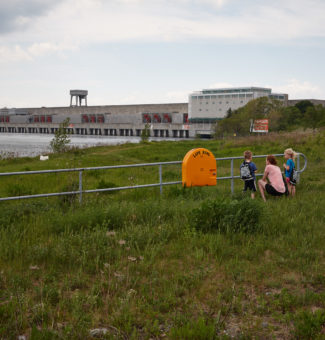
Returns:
(160, 165)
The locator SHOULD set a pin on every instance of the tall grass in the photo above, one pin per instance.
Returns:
(141, 265)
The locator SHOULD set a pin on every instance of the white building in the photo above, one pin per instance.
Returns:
(211, 104)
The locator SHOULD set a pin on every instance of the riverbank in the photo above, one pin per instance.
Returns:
(137, 265)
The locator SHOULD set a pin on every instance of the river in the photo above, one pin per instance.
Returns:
(30, 145)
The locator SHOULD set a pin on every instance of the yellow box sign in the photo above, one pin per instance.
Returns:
(199, 168)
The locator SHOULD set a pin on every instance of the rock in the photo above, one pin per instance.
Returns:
(98, 331)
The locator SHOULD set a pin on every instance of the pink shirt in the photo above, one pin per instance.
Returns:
(274, 175)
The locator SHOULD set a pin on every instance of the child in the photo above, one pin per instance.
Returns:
(247, 173)
(289, 155)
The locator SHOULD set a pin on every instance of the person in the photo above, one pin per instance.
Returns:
(289, 155)
(275, 185)
(249, 178)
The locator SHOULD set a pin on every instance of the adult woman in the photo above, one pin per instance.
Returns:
(272, 172)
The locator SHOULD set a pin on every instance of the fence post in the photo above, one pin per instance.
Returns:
(80, 186)
(298, 167)
(232, 175)
(160, 178)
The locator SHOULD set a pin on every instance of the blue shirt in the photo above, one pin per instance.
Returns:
(291, 165)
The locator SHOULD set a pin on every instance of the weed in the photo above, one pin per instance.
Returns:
(308, 325)
(228, 215)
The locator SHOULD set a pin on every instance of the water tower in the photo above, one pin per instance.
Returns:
(80, 95)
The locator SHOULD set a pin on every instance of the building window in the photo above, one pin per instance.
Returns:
(185, 118)
(156, 118)
(100, 119)
(146, 118)
(167, 118)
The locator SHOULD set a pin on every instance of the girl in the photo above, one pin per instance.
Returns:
(289, 155)
(275, 185)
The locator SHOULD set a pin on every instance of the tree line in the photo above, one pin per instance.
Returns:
(281, 118)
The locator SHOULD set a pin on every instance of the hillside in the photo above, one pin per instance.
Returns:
(137, 265)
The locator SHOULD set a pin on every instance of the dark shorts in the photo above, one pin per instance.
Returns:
(270, 190)
(250, 185)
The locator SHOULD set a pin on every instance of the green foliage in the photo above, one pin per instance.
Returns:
(145, 133)
(228, 215)
(60, 141)
(309, 325)
(195, 330)
(303, 105)
(102, 184)
(303, 114)
(314, 116)
(238, 121)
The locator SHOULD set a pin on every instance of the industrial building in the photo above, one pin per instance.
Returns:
(211, 104)
(174, 120)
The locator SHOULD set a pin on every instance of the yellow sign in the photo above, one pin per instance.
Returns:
(199, 168)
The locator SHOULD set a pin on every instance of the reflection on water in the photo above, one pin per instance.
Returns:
(29, 145)
(22, 145)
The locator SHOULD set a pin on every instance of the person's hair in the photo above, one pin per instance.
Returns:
(291, 153)
(248, 154)
(271, 159)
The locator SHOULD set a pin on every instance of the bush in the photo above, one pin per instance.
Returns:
(309, 325)
(228, 215)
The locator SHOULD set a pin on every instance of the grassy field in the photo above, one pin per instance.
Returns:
(195, 263)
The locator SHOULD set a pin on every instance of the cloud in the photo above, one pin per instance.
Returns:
(298, 89)
(29, 28)
(18, 14)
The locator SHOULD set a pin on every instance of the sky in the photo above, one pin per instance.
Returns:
(157, 51)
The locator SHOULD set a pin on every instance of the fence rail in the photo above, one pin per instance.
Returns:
(80, 192)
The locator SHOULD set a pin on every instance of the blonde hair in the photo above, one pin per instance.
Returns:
(291, 153)
(248, 154)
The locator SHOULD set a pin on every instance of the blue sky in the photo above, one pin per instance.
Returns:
(157, 51)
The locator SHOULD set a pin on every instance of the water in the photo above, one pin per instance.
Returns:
(22, 145)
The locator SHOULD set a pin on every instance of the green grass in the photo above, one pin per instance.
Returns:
(147, 266)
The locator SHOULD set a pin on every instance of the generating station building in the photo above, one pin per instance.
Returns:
(174, 120)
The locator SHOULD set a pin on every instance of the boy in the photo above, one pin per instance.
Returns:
(247, 173)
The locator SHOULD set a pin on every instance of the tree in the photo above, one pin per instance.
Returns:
(314, 116)
(145, 133)
(238, 121)
(60, 141)
(303, 105)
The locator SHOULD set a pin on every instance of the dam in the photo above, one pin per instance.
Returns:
(161, 120)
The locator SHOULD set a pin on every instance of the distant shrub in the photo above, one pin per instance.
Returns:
(60, 142)
(69, 199)
(19, 189)
(228, 215)
(102, 184)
